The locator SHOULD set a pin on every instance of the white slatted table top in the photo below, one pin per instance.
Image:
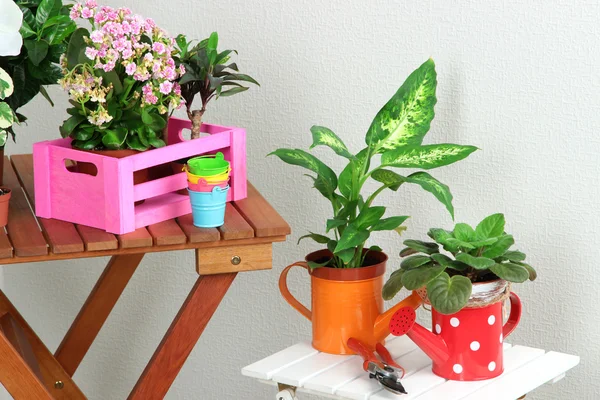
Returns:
(342, 377)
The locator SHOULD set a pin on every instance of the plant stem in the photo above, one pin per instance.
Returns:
(196, 118)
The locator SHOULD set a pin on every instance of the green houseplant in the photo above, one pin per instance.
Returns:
(473, 256)
(208, 73)
(396, 135)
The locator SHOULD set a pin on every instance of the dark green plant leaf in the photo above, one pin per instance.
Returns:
(388, 224)
(441, 259)
(475, 262)
(492, 226)
(352, 170)
(463, 232)
(389, 178)
(426, 157)
(484, 242)
(435, 187)
(70, 124)
(368, 217)
(232, 91)
(213, 41)
(449, 295)
(497, 249)
(347, 210)
(43, 11)
(26, 31)
(325, 137)
(406, 117)
(352, 237)
(393, 285)
(407, 251)
(322, 239)
(76, 46)
(28, 17)
(46, 95)
(83, 134)
(331, 245)
(59, 32)
(514, 256)
(423, 247)
(312, 265)
(36, 50)
(453, 243)
(346, 255)
(334, 223)
(114, 138)
(6, 116)
(511, 272)
(134, 143)
(414, 261)
(439, 235)
(530, 270)
(417, 278)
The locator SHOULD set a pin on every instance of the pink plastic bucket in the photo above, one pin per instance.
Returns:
(203, 186)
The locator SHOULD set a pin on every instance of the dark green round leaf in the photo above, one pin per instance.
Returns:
(492, 226)
(416, 278)
(449, 295)
(510, 272)
(464, 232)
(475, 262)
(407, 251)
(414, 261)
(497, 249)
(393, 285)
(514, 256)
(423, 247)
(530, 269)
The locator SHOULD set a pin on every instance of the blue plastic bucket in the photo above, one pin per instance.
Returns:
(208, 208)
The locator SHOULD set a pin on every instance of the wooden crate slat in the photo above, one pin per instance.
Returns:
(97, 239)
(6, 249)
(23, 230)
(61, 235)
(166, 233)
(195, 234)
(261, 215)
(138, 238)
(235, 226)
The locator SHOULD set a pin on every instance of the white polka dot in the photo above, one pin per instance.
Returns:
(475, 346)
(457, 368)
(501, 338)
(454, 322)
(491, 320)
(438, 329)
(492, 366)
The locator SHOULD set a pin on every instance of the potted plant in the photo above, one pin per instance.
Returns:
(122, 81)
(466, 288)
(33, 35)
(7, 118)
(347, 266)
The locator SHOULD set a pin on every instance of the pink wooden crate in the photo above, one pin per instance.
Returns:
(107, 200)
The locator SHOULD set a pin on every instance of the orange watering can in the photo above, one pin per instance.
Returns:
(346, 303)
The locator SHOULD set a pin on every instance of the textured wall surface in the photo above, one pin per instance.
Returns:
(516, 78)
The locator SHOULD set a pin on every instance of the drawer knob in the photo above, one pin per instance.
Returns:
(236, 260)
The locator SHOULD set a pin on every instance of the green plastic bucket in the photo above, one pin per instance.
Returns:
(209, 165)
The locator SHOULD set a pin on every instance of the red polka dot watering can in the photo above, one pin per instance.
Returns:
(466, 346)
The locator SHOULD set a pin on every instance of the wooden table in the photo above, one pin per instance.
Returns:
(302, 368)
(27, 368)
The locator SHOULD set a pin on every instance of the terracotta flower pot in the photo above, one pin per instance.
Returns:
(4, 200)
(346, 303)
(2, 165)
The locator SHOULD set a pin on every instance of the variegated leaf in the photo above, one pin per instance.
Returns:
(353, 168)
(435, 187)
(406, 117)
(6, 85)
(326, 176)
(389, 178)
(426, 157)
(325, 137)
(6, 116)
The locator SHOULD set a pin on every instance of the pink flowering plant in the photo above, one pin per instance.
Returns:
(121, 78)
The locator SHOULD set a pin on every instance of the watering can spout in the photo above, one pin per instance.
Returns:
(431, 344)
(382, 323)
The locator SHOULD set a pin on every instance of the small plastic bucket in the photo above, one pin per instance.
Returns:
(208, 165)
(203, 186)
(193, 178)
(208, 208)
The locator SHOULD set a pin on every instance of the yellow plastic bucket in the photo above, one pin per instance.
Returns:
(209, 179)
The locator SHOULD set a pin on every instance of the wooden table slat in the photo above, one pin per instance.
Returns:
(138, 238)
(23, 230)
(195, 234)
(97, 239)
(62, 236)
(235, 226)
(261, 215)
(167, 233)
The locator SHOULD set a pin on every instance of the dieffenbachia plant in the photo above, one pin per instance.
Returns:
(7, 116)
(476, 255)
(396, 134)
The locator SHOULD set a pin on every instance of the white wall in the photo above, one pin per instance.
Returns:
(519, 79)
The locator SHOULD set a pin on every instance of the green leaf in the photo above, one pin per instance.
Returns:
(334, 223)
(6, 84)
(406, 117)
(76, 47)
(114, 139)
(369, 216)
(388, 224)
(134, 143)
(112, 77)
(475, 262)
(346, 255)
(3, 137)
(393, 285)
(307, 160)
(240, 77)
(407, 251)
(464, 232)
(43, 11)
(28, 16)
(492, 226)
(325, 137)
(232, 91)
(347, 210)
(502, 244)
(26, 30)
(511, 272)
(426, 157)
(435, 187)
(439, 235)
(414, 261)
(400, 230)
(530, 270)
(448, 262)
(449, 295)
(389, 178)
(70, 124)
(352, 237)
(416, 278)
(36, 50)
(454, 243)
(312, 265)
(484, 242)
(7, 118)
(213, 41)
(58, 33)
(46, 95)
(423, 247)
(316, 237)
(349, 175)
(331, 245)
(515, 256)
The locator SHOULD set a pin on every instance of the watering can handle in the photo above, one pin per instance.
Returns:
(514, 317)
(285, 292)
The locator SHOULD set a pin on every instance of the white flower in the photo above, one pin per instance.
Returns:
(11, 19)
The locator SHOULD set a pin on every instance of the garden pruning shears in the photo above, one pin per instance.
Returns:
(384, 369)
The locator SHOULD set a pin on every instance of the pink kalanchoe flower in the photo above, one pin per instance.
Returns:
(112, 15)
(100, 17)
(148, 57)
(91, 53)
(177, 89)
(158, 47)
(86, 13)
(130, 68)
(170, 74)
(166, 87)
(156, 66)
(127, 54)
(75, 11)
(150, 99)
(97, 36)
(147, 89)
(109, 66)
(181, 70)
(91, 4)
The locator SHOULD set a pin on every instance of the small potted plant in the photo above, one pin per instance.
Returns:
(347, 266)
(122, 81)
(466, 286)
(7, 118)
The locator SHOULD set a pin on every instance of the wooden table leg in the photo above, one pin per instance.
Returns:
(184, 332)
(96, 310)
